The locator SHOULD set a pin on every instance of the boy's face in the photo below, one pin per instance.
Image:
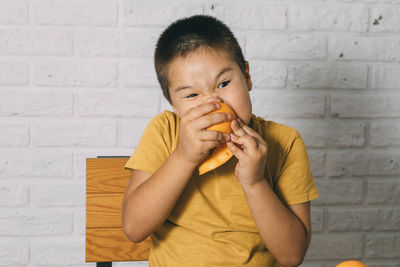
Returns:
(209, 75)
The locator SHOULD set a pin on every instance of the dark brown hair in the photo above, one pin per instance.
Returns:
(186, 35)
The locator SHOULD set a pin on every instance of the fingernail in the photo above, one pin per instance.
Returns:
(240, 122)
(228, 116)
(217, 106)
(232, 135)
(227, 138)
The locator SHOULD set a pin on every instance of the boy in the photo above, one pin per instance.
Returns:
(254, 209)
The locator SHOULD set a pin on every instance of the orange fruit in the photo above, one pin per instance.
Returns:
(221, 153)
(224, 127)
(351, 263)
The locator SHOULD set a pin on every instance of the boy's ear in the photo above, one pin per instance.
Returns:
(248, 77)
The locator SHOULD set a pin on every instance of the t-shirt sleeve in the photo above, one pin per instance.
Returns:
(154, 146)
(295, 183)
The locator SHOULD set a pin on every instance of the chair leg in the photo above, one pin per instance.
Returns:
(103, 264)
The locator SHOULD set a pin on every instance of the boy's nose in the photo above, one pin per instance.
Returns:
(214, 98)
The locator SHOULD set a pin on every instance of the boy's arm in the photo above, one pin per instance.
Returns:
(146, 206)
(286, 231)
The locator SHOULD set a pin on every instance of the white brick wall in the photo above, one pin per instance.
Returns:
(76, 77)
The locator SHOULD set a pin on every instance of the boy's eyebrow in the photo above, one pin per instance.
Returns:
(216, 78)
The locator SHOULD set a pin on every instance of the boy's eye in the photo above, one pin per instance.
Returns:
(224, 83)
(190, 95)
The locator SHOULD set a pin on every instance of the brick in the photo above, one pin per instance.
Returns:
(328, 247)
(38, 103)
(13, 194)
(383, 192)
(371, 48)
(382, 245)
(156, 13)
(377, 263)
(316, 159)
(79, 133)
(36, 163)
(374, 1)
(14, 73)
(313, 132)
(36, 42)
(119, 103)
(14, 252)
(65, 252)
(92, 73)
(381, 163)
(14, 135)
(266, 74)
(263, 16)
(58, 193)
(317, 220)
(117, 43)
(385, 18)
(344, 220)
(132, 131)
(384, 134)
(75, 12)
(35, 222)
(324, 76)
(345, 134)
(332, 133)
(351, 163)
(285, 46)
(339, 192)
(381, 219)
(366, 1)
(13, 11)
(365, 105)
(365, 219)
(80, 221)
(332, 17)
(138, 72)
(279, 105)
(385, 77)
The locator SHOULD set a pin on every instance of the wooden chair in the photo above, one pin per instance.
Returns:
(106, 181)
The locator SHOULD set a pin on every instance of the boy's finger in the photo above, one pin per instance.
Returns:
(238, 139)
(244, 141)
(213, 136)
(237, 129)
(237, 152)
(251, 132)
(201, 110)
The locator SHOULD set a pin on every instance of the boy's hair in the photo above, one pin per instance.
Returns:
(186, 35)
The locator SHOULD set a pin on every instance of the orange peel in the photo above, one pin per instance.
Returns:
(351, 263)
(222, 153)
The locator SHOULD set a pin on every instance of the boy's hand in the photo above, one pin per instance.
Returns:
(251, 150)
(195, 142)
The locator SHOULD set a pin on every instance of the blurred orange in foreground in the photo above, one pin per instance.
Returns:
(222, 153)
(351, 263)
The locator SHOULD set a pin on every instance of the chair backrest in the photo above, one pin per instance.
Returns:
(106, 181)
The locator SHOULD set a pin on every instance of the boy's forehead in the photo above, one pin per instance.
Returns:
(205, 51)
(192, 58)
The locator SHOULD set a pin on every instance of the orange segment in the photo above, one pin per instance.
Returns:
(222, 153)
(351, 263)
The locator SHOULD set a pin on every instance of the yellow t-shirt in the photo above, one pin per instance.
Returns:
(211, 224)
